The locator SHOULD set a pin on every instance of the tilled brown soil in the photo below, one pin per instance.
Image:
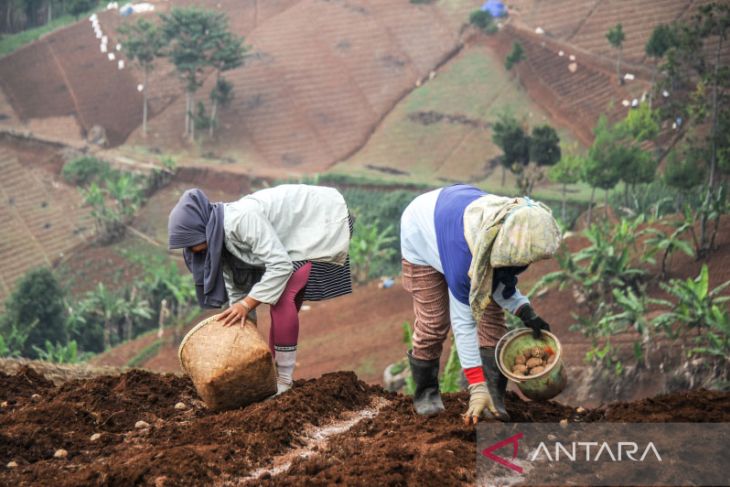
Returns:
(192, 446)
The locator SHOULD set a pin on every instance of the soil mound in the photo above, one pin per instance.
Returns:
(131, 429)
(700, 406)
(22, 385)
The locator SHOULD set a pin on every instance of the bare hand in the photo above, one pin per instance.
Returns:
(235, 314)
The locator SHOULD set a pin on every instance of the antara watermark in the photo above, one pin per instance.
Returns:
(574, 451)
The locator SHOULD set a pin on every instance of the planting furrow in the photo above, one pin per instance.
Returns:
(315, 440)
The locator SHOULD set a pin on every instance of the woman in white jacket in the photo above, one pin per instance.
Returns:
(278, 246)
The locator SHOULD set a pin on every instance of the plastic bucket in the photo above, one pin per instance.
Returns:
(543, 386)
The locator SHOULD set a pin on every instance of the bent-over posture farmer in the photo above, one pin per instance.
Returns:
(462, 250)
(279, 246)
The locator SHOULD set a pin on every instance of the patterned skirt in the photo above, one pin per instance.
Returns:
(327, 280)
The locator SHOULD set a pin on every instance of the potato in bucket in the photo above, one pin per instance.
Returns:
(535, 365)
(230, 366)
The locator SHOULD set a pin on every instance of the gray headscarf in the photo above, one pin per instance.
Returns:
(195, 220)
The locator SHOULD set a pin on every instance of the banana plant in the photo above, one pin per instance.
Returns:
(13, 339)
(611, 261)
(699, 310)
(716, 341)
(669, 243)
(113, 309)
(633, 313)
(61, 354)
(369, 244)
(126, 192)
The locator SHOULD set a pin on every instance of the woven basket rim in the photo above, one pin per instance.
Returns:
(187, 337)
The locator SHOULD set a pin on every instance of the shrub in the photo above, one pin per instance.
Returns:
(60, 354)
(382, 209)
(655, 200)
(114, 200)
(84, 170)
(483, 20)
(683, 172)
(35, 310)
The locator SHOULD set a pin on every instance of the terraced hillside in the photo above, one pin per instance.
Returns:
(323, 75)
(572, 86)
(66, 75)
(442, 130)
(42, 219)
(584, 23)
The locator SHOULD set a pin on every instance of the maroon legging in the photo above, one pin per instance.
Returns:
(284, 331)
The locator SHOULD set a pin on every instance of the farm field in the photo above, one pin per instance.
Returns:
(332, 429)
(382, 100)
(585, 23)
(576, 97)
(363, 331)
(40, 213)
(441, 132)
(290, 112)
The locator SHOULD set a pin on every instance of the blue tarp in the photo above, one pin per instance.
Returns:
(495, 8)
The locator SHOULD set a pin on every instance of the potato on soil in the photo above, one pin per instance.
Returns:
(537, 370)
(534, 362)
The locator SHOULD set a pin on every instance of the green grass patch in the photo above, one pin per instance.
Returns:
(145, 354)
(355, 180)
(12, 42)
(137, 250)
(468, 94)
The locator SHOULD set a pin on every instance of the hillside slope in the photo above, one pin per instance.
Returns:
(42, 218)
(322, 76)
(584, 23)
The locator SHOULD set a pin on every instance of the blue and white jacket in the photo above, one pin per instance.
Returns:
(432, 234)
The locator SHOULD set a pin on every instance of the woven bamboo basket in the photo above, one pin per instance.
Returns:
(230, 367)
